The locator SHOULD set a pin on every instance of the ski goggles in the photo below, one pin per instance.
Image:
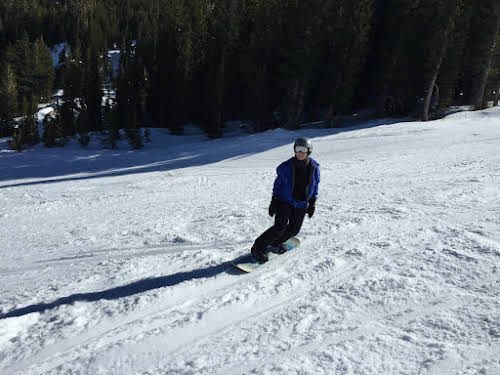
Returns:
(302, 149)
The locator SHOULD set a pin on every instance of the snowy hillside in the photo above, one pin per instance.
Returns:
(118, 262)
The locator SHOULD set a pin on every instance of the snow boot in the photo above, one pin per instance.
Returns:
(259, 254)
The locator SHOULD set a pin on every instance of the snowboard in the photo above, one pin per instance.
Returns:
(248, 263)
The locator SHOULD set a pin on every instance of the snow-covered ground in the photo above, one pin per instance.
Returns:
(118, 261)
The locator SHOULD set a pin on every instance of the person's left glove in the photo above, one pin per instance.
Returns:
(273, 207)
(311, 207)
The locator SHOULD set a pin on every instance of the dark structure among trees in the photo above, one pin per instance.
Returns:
(274, 62)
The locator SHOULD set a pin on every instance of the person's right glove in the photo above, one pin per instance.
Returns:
(273, 207)
(311, 207)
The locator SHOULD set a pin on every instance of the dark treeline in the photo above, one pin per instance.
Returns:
(274, 62)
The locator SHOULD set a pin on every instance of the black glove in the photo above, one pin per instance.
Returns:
(273, 207)
(311, 207)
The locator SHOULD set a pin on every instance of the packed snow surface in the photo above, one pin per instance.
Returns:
(119, 261)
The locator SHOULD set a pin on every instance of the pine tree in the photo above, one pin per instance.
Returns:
(191, 40)
(92, 81)
(396, 59)
(127, 99)
(73, 91)
(30, 123)
(208, 61)
(134, 137)
(112, 132)
(296, 58)
(82, 124)
(439, 26)
(26, 130)
(19, 56)
(259, 59)
(53, 131)
(8, 99)
(448, 79)
(17, 142)
(484, 31)
(68, 119)
(225, 21)
(147, 135)
(346, 31)
(173, 50)
(43, 71)
(92, 92)
(495, 73)
(122, 90)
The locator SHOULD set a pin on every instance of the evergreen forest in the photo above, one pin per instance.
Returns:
(274, 63)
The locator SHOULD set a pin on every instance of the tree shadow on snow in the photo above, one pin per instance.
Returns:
(134, 288)
(47, 166)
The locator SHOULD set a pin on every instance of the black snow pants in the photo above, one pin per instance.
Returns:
(287, 223)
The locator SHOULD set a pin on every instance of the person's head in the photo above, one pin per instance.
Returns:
(302, 148)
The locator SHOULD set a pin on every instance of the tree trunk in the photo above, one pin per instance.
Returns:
(480, 87)
(290, 103)
(430, 89)
(220, 96)
(295, 104)
(263, 90)
(333, 108)
(478, 98)
(330, 117)
(300, 106)
(437, 67)
(497, 95)
(384, 93)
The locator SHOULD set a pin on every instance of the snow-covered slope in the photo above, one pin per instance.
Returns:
(118, 262)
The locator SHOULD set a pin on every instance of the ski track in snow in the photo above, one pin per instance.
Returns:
(130, 273)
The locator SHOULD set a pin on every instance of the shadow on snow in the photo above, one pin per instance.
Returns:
(131, 289)
(58, 165)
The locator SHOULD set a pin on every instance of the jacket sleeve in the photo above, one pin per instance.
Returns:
(317, 177)
(279, 181)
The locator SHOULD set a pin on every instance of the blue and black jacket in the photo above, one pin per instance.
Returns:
(284, 183)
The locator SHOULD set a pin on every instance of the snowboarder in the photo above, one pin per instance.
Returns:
(294, 194)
